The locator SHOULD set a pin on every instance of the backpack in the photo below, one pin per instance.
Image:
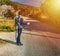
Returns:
(21, 21)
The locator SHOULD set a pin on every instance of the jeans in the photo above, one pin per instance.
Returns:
(19, 35)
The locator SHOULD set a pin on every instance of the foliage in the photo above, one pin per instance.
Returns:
(7, 25)
(10, 14)
(5, 1)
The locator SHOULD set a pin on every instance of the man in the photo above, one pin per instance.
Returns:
(19, 25)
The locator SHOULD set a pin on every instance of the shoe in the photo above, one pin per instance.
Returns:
(19, 43)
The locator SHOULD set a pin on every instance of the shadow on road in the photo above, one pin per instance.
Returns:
(8, 41)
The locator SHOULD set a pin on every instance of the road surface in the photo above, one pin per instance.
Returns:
(38, 40)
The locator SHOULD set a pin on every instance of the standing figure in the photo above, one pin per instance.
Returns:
(19, 25)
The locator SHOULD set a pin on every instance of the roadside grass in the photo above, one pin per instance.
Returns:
(7, 25)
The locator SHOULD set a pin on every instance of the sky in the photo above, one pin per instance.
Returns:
(35, 3)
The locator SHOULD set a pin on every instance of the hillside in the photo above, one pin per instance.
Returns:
(41, 14)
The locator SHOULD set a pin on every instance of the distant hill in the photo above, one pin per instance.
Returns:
(36, 13)
(33, 12)
(25, 9)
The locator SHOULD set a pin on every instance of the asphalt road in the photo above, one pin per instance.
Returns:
(38, 40)
(41, 46)
(46, 41)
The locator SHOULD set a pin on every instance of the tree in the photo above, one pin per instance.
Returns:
(10, 14)
(5, 2)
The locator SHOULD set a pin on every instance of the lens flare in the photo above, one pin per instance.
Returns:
(56, 4)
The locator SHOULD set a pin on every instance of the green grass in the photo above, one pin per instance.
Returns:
(7, 25)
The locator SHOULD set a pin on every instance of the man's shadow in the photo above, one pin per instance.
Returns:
(8, 41)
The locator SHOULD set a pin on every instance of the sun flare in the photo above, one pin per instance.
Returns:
(56, 4)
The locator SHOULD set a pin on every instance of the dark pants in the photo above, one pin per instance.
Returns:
(19, 35)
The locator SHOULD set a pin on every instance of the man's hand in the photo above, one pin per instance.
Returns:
(28, 23)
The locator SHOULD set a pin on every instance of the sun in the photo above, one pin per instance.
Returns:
(56, 4)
